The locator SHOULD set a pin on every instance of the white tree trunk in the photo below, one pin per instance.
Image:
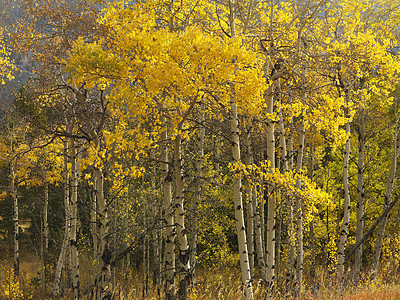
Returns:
(291, 241)
(360, 194)
(270, 253)
(237, 182)
(67, 207)
(198, 197)
(169, 259)
(250, 199)
(346, 208)
(74, 221)
(94, 227)
(184, 262)
(284, 167)
(299, 210)
(45, 217)
(389, 193)
(238, 202)
(258, 237)
(16, 212)
(104, 250)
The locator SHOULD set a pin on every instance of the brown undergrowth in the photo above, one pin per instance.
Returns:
(211, 283)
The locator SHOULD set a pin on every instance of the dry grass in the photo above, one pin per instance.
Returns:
(219, 283)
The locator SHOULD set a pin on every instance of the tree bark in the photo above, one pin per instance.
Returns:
(258, 237)
(184, 262)
(237, 182)
(238, 202)
(67, 207)
(291, 243)
(198, 197)
(388, 197)
(360, 193)
(250, 206)
(103, 224)
(270, 251)
(169, 259)
(299, 210)
(74, 221)
(45, 217)
(16, 212)
(346, 206)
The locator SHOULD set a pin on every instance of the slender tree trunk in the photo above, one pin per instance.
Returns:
(169, 218)
(291, 242)
(237, 182)
(184, 263)
(272, 198)
(299, 210)
(262, 204)
(238, 202)
(198, 197)
(16, 213)
(45, 213)
(258, 234)
(128, 256)
(94, 228)
(360, 194)
(250, 206)
(389, 193)
(346, 207)
(67, 207)
(218, 156)
(74, 221)
(284, 167)
(103, 224)
(144, 247)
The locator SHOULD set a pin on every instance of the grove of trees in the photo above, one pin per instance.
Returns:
(159, 141)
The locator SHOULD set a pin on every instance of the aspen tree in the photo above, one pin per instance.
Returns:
(237, 182)
(360, 191)
(249, 195)
(388, 198)
(270, 251)
(67, 227)
(258, 236)
(74, 219)
(13, 188)
(104, 252)
(199, 189)
(168, 215)
(346, 204)
(45, 216)
(184, 261)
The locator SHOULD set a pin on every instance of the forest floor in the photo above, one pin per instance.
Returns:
(218, 283)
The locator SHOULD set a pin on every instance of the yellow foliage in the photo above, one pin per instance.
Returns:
(6, 65)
